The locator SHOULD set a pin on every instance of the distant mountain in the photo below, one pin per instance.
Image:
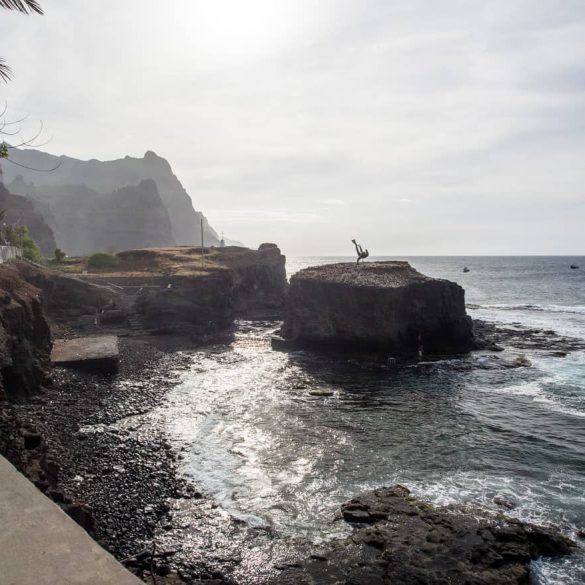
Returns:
(109, 176)
(20, 210)
(86, 221)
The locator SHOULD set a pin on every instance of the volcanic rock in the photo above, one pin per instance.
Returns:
(399, 539)
(25, 339)
(377, 306)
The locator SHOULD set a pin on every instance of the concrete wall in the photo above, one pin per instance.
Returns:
(9, 253)
(41, 545)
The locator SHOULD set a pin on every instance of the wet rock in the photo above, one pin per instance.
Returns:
(489, 335)
(321, 392)
(32, 440)
(399, 539)
(504, 502)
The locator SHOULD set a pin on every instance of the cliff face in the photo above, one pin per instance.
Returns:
(181, 291)
(25, 340)
(259, 283)
(377, 306)
(109, 176)
(20, 210)
(85, 221)
(69, 300)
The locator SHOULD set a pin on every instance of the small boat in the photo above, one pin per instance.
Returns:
(574, 267)
(466, 269)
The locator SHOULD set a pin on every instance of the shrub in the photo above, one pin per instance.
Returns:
(102, 260)
(59, 255)
(30, 250)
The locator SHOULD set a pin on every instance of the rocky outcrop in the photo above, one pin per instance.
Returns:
(70, 300)
(401, 540)
(25, 340)
(182, 292)
(197, 305)
(20, 210)
(109, 176)
(384, 307)
(86, 221)
(259, 283)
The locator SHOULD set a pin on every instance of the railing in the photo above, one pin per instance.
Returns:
(9, 253)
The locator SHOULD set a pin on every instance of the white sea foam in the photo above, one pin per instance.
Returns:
(524, 389)
(571, 309)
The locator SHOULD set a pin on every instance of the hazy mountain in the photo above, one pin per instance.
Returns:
(109, 176)
(86, 221)
(20, 210)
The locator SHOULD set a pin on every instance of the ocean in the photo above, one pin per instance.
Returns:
(274, 454)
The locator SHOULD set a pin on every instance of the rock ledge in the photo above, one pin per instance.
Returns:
(400, 539)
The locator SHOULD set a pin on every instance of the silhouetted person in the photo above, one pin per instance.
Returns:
(362, 254)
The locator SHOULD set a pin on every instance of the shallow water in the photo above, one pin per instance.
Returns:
(275, 454)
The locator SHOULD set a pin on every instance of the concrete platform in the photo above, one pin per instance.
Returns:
(97, 353)
(41, 545)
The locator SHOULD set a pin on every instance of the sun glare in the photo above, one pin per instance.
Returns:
(233, 29)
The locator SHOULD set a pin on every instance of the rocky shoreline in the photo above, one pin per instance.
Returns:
(81, 442)
(115, 483)
(85, 440)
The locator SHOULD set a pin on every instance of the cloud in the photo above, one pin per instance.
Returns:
(470, 112)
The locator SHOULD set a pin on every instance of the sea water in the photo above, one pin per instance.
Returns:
(281, 439)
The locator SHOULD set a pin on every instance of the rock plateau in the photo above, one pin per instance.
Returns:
(384, 307)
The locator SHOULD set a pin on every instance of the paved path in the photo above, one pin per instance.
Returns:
(41, 545)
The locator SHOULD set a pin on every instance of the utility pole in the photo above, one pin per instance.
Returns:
(202, 238)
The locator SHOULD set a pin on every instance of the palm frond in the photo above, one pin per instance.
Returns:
(5, 71)
(25, 6)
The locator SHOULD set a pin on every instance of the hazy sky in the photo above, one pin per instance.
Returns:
(417, 126)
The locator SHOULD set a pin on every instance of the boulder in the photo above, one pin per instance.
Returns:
(399, 539)
(384, 307)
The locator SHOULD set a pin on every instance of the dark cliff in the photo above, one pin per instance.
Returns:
(109, 176)
(21, 210)
(25, 339)
(183, 291)
(68, 300)
(377, 306)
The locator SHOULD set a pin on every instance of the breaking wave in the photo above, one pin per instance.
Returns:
(569, 309)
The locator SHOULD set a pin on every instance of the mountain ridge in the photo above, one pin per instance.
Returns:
(112, 175)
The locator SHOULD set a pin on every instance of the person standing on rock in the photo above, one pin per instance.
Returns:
(362, 254)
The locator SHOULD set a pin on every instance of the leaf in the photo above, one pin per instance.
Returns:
(25, 6)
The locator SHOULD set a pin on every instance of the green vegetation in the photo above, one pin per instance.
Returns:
(18, 236)
(101, 260)
(30, 250)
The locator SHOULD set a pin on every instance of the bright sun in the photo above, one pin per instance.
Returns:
(242, 29)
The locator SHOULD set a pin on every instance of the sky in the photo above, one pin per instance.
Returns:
(419, 127)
